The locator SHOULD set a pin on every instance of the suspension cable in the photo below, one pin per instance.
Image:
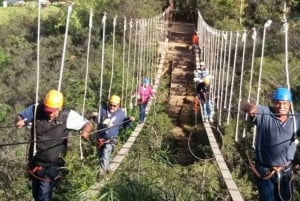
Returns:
(233, 73)
(37, 75)
(244, 40)
(86, 76)
(112, 56)
(228, 71)
(123, 63)
(225, 36)
(251, 74)
(102, 65)
(70, 7)
(128, 64)
(266, 25)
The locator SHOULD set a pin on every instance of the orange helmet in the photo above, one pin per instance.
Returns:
(53, 100)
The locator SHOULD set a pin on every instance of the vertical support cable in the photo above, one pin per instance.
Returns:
(112, 56)
(123, 62)
(266, 25)
(251, 75)
(228, 70)
(70, 7)
(128, 63)
(225, 36)
(86, 76)
(244, 40)
(37, 75)
(285, 30)
(233, 75)
(102, 65)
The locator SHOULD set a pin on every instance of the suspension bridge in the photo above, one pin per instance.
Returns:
(160, 46)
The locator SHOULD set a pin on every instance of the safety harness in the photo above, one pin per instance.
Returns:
(38, 170)
(276, 172)
(272, 170)
(101, 142)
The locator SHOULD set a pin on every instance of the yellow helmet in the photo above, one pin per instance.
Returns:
(115, 99)
(206, 81)
(54, 99)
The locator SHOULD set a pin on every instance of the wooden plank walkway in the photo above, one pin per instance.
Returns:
(123, 152)
(230, 183)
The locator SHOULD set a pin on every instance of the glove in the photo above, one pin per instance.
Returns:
(127, 122)
(107, 123)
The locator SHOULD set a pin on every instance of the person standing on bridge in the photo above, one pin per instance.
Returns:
(51, 123)
(112, 117)
(200, 73)
(195, 41)
(275, 147)
(202, 94)
(143, 93)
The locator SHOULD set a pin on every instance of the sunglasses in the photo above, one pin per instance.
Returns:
(112, 105)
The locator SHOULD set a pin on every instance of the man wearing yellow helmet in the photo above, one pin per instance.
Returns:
(110, 119)
(51, 123)
(202, 93)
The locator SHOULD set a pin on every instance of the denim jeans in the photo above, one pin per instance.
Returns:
(208, 110)
(42, 190)
(104, 154)
(142, 112)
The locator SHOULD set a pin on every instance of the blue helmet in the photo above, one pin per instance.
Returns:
(146, 81)
(282, 94)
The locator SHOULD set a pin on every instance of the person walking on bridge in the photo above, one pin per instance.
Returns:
(49, 132)
(275, 146)
(112, 118)
(143, 93)
(202, 94)
(200, 73)
(195, 40)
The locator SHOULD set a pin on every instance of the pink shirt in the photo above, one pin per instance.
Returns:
(144, 94)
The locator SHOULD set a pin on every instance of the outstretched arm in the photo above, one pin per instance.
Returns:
(249, 108)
